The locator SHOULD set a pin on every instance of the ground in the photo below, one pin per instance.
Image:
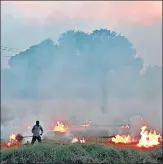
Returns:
(78, 153)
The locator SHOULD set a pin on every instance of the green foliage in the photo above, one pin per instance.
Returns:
(76, 153)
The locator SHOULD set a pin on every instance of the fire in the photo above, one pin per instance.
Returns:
(60, 127)
(82, 141)
(12, 139)
(148, 139)
(12, 136)
(122, 139)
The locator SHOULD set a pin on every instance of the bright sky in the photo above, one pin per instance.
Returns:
(26, 23)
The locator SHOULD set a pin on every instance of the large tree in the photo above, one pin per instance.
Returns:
(78, 65)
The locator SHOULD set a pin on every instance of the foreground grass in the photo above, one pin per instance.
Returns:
(77, 153)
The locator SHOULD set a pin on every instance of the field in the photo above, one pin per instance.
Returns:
(57, 147)
(78, 153)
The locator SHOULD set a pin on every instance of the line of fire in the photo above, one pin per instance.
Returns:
(66, 133)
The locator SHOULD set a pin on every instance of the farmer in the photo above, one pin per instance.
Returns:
(36, 132)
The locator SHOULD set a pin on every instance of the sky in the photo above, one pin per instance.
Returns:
(27, 23)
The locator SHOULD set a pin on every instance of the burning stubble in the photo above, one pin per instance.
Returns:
(20, 114)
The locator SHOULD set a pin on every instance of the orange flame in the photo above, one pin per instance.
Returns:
(148, 139)
(82, 141)
(12, 139)
(60, 127)
(12, 136)
(122, 139)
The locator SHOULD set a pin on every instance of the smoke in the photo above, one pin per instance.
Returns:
(51, 82)
(26, 112)
(136, 19)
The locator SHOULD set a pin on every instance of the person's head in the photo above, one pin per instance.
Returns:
(37, 122)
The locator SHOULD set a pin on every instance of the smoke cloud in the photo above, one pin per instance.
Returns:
(64, 81)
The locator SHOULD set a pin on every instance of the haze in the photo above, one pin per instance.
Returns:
(80, 61)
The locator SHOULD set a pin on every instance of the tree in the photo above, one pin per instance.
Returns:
(77, 65)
